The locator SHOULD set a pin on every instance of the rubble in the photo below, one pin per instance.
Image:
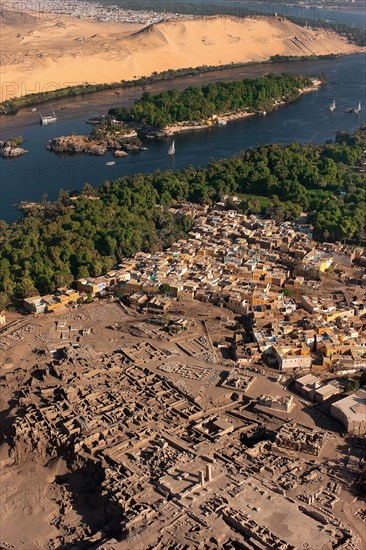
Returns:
(175, 418)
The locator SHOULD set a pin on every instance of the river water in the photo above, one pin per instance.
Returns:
(326, 11)
(306, 120)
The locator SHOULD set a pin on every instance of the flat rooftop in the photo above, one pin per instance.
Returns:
(353, 406)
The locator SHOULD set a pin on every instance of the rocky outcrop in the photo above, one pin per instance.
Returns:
(133, 148)
(87, 145)
(8, 151)
(76, 144)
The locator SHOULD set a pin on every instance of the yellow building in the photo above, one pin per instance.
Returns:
(52, 304)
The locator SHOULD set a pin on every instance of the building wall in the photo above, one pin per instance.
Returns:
(293, 362)
(186, 295)
(320, 397)
(56, 305)
(351, 426)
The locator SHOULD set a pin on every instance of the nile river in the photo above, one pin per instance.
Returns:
(306, 120)
(326, 11)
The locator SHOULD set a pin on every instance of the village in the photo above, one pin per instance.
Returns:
(244, 265)
(90, 11)
(208, 390)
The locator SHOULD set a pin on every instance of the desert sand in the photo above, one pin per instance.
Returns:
(38, 56)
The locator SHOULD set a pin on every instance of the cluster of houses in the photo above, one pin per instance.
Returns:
(94, 11)
(244, 263)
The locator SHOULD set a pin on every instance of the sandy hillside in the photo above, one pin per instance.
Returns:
(37, 56)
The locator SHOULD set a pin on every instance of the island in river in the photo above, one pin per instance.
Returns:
(174, 111)
(199, 107)
(107, 136)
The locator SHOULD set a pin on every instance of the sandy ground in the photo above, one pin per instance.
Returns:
(49, 503)
(39, 56)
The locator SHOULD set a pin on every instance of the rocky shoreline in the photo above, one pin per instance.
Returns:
(77, 144)
(9, 150)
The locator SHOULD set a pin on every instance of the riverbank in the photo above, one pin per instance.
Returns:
(46, 55)
(84, 106)
(69, 94)
(130, 204)
(306, 120)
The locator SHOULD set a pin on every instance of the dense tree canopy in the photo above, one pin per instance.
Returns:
(51, 246)
(198, 103)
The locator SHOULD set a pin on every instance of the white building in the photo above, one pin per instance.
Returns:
(289, 359)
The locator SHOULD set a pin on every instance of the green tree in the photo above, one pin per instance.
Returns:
(165, 289)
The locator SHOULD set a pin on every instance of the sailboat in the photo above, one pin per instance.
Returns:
(332, 106)
(358, 108)
(171, 150)
(48, 119)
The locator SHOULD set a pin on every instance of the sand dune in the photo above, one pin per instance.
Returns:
(41, 56)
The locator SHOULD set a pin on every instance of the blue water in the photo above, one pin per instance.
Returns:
(306, 120)
(329, 12)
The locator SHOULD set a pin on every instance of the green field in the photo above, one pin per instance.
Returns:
(263, 201)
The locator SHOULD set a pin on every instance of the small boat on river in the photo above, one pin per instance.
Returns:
(332, 106)
(171, 150)
(48, 119)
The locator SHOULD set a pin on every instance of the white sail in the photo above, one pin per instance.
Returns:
(48, 119)
(171, 149)
(332, 105)
(358, 108)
